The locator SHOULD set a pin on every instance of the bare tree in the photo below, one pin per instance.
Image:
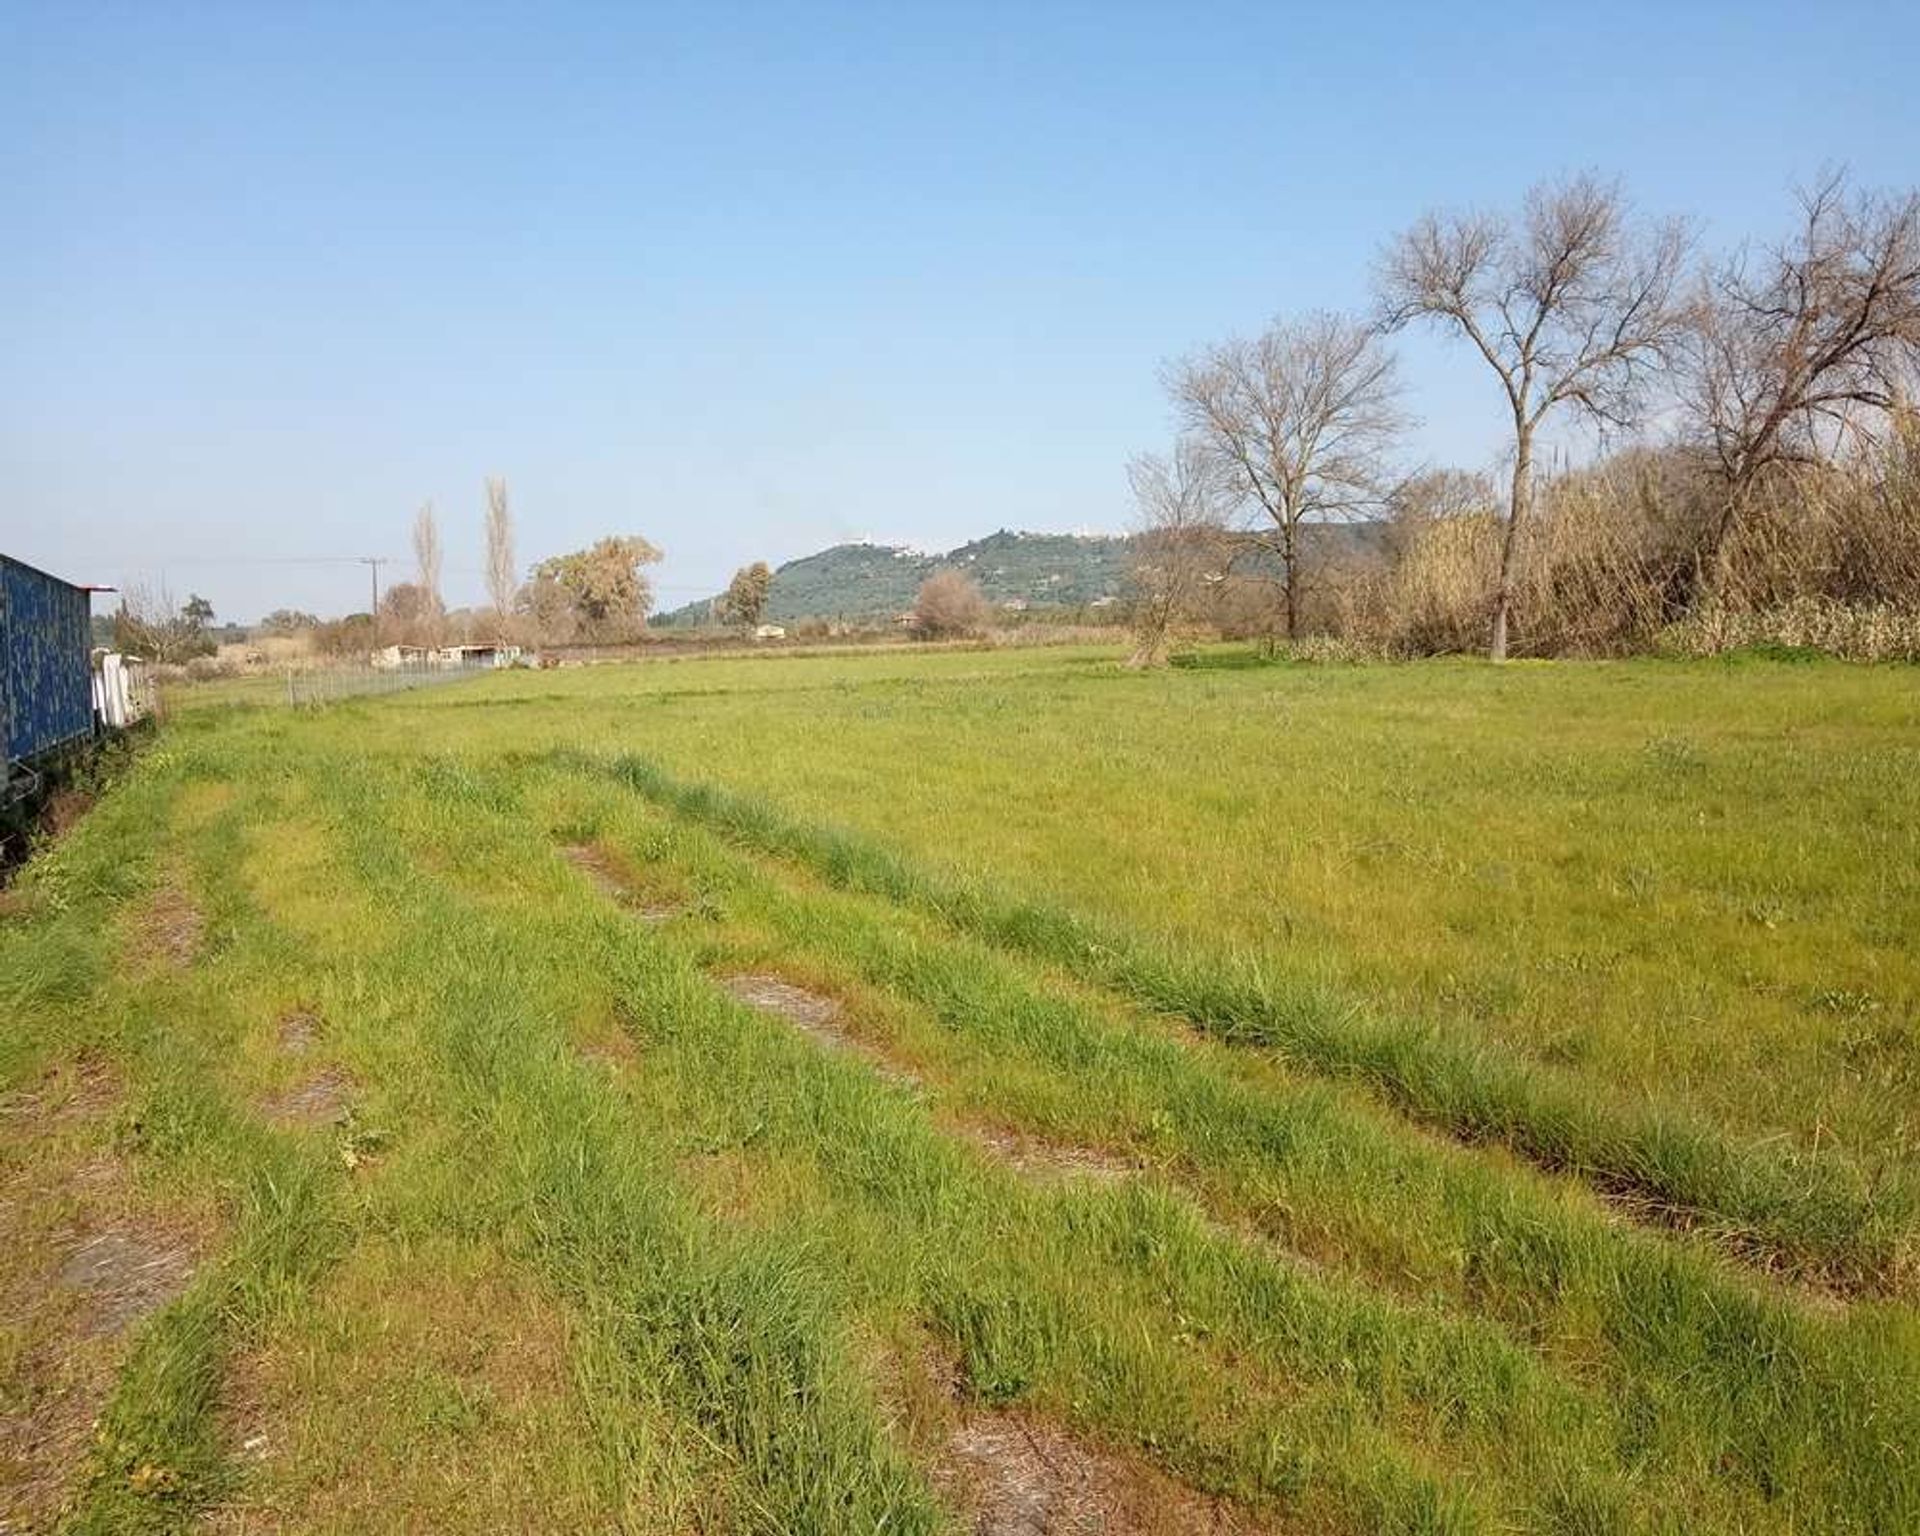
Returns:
(1573, 303)
(1810, 346)
(1182, 508)
(426, 557)
(151, 625)
(502, 575)
(1301, 417)
(408, 614)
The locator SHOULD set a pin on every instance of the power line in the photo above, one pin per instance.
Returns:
(262, 560)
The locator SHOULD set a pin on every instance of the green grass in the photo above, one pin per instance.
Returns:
(1797, 1209)
(599, 1246)
(1685, 881)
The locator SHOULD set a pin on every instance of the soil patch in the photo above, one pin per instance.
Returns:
(35, 823)
(1018, 1476)
(813, 1014)
(171, 927)
(610, 881)
(81, 1263)
(1013, 1473)
(125, 1273)
(298, 1032)
(67, 1091)
(810, 1010)
(320, 1100)
(1048, 1160)
(65, 807)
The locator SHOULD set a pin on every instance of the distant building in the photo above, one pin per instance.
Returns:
(393, 657)
(769, 632)
(476, 655)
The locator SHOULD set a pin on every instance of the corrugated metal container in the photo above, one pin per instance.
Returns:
(46, 691)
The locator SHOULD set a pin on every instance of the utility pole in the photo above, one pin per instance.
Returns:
(373, 564)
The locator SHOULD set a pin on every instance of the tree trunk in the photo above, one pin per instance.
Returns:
(1518, 507)
(1150, 648)
(1291, 558)
(1718, 564)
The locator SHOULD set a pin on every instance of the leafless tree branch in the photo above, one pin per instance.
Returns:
(1299, 421)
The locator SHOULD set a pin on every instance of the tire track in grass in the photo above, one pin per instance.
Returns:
(351, 1028)
(880, 1148)
(736, 1344)
(864, 1096)
(153, 1457)
(1814, 1216)
(1665, 1314)
(611, 880)
(1018, 1474)
(1194, 1231)
(86, 1258)
(819, 1017)
(1012, 1310)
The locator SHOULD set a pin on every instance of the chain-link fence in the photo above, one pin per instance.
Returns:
(315, 687)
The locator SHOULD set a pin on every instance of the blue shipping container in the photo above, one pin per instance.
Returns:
(45, 695)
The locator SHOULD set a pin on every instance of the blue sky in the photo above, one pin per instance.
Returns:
(755, 279)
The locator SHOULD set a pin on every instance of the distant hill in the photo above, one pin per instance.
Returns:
(862, 582)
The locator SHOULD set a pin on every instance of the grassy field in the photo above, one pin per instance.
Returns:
(978, 1091)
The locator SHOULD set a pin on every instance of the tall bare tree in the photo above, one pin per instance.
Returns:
(1806, 347)
(1301, 418)
(426, 558)
(1182, 504)
(1573, 303)
(502, 575)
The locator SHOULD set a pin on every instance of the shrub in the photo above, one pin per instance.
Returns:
(1876, 632)
(950, 604)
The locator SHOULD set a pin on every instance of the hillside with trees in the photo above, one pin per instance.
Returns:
(864, 583)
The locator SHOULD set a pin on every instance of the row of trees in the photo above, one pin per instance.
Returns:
(1762, 399)
(599, 594)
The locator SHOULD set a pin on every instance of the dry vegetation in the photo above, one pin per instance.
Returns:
(1826, 557)
(1777, 504)
(950, 605)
